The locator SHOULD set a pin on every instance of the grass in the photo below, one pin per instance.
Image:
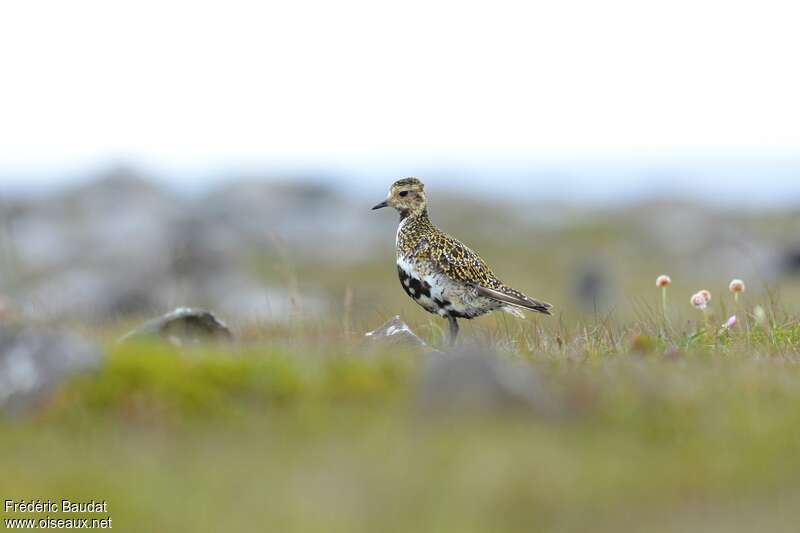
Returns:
(305, 428)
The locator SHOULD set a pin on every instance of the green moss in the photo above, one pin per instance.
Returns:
(667, 431)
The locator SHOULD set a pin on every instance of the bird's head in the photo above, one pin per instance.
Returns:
(407, 196)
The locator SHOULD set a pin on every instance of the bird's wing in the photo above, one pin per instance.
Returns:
(459, 262)
(513, 297)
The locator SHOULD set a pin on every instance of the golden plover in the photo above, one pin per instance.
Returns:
(439, 272)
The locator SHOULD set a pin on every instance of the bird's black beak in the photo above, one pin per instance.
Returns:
(381, 205)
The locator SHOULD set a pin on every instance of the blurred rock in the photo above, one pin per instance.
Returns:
(95, 294)
(117, 219)
(184, 326)
(396, 332)
(93, 252)
(33, 362)
(473, 382)
(123, 246)
(272, 215)
(791, 261)
(236, 294)
(592, 288)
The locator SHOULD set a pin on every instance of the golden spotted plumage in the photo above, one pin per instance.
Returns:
(420, 240)
(439, 272)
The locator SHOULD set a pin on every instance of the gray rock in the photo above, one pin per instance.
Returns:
(183, 326)
(248, 299)
(396, 332)
(121, 246)
(33, 362)
(94, 294)
(473, 382)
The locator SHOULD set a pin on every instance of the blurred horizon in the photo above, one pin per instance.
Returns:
(733, 182)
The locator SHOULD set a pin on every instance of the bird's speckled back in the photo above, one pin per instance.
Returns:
(419, 241)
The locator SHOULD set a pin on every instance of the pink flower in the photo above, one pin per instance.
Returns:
(730, 323)
(737, 286)
(699, 300)
(663, 280)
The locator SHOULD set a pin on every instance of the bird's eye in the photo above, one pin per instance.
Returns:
(403, 193)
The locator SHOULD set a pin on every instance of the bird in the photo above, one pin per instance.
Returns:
(439, 272)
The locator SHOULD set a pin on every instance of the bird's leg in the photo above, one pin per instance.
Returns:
(453, 329)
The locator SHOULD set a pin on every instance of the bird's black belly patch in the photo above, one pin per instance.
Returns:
(447, 309)
(444, 303)
(414, 287)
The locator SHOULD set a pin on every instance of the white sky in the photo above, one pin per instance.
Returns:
(188, 85)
